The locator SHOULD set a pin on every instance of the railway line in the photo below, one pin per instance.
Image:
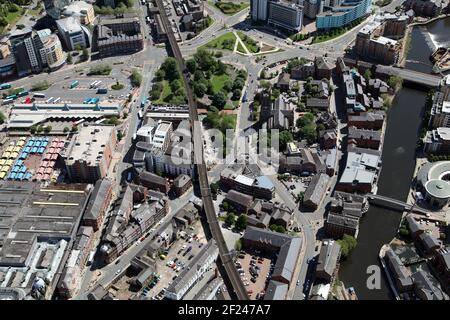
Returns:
(224, 253)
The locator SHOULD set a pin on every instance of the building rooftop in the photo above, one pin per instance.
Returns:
(30, 213)
(244, 180)
(328, 257)
(97, 198)
(185, 277)
(240, 198)
(69, 25)
(276, 290)
(89, 143)
(26, 115)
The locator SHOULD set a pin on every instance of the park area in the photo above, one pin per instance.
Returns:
(241, 43)
(229, 8)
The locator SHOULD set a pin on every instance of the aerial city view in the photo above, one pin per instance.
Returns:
(229, 150)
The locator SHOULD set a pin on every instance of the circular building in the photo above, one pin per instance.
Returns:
(434, 181)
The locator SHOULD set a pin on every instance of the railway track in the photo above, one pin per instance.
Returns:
(225, 255)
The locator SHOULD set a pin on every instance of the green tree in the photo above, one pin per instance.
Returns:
(69, 58)
(119, 135)
(113, 120)
(239, 83)
(285, 137)
(85, 54)
(236, 94)
(230, 219)
(221, 68)
(171, 69)
(214, 187)
(347, 243)
(200, 89)
(66, 129)
(241, 222)
(228, 86)
(175, 85)
(48, 129)
(238, 245)
(160, 75)
(33, 129)
(225, 206)
(205, 60)
(276, 93)
(191, 65)
(219, 99)
(368, 75)
(265, 85)
(135, 78)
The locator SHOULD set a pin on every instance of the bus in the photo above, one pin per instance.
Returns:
(94, 100)
(13, 96)
(140, 115)
(92, 85)
(49, 100)
(4, 86)
(102, 90)
(7, 101)
(74, 84)
(86, 100)
(22, 93)
(57, 100)
(38, 95)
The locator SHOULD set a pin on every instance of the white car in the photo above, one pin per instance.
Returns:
(118, 271)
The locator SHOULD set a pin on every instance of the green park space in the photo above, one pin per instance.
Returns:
(229, 8)
(168, 85)
(250, 43)
(224, 42)
(218, 81)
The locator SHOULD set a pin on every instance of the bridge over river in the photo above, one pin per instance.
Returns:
(394, 204)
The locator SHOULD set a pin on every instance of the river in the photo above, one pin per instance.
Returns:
(404, 119)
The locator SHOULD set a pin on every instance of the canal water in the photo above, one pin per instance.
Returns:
(379, 225)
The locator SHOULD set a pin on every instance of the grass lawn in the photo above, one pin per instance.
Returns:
(35, 11)
(229, 8)
(251, 44)
(165, 95)
(240, 48)
(218, 81)
(225, 42)
(382, 3)
(12, 17)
